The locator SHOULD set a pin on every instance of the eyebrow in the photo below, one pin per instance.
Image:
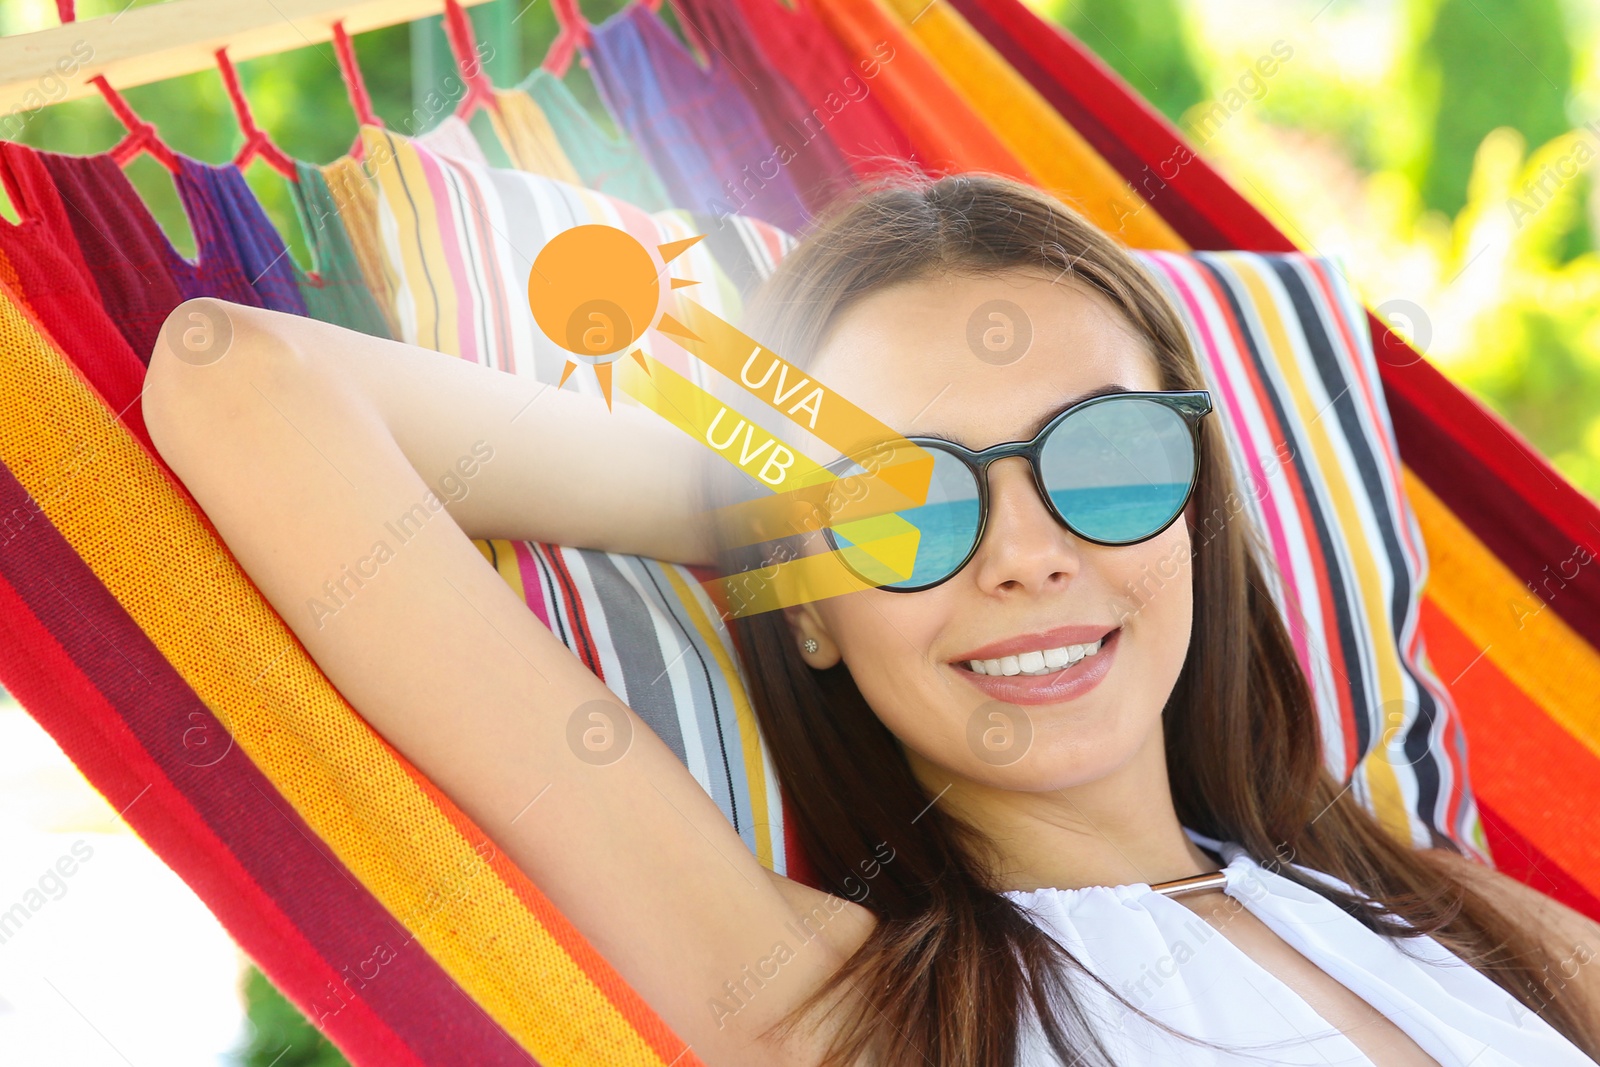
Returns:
(1110, 387)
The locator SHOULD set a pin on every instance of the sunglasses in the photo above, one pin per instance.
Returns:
(1114, 469)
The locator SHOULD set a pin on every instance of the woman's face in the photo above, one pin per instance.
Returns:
(903, 354)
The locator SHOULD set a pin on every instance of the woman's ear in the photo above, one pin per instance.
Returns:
(811, 636)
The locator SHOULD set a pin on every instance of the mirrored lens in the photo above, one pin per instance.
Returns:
(914, 546)
(1119, 470)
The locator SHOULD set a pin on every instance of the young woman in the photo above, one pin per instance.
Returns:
(993, 903)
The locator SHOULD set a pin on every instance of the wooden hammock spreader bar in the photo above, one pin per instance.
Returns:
(149, 44)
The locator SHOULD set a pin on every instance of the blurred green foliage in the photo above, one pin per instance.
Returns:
(1145, 41)
(279, 1036)
(1534, 353)
(1524, 43)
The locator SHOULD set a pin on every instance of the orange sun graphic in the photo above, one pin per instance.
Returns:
(594, 290)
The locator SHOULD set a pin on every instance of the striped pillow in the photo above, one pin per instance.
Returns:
(1284, 347)
(459, 241)
(649, 631)
(1288, 357)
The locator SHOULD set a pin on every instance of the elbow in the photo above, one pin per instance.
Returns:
(198, 332)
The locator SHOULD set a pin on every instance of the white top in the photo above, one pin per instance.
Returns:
(1169, 962)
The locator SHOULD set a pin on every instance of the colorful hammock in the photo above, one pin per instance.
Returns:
(130, 633)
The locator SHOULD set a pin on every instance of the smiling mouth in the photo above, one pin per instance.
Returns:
(1039, 662)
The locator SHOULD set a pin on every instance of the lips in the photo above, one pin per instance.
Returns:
(1069, 683)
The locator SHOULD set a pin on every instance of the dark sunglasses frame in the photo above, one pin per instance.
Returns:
(1193, 405)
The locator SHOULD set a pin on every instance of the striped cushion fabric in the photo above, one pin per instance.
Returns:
(1288, 357)
(648, 630)
(460, 239)
(1282, 342)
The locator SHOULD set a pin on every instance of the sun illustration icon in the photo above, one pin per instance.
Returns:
(594, 290)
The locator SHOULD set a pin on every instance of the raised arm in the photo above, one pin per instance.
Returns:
(306, 444)
(625, 479)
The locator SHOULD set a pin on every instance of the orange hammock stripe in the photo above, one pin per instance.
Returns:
(1524, 684)
(1539, 778)
(1514, 629)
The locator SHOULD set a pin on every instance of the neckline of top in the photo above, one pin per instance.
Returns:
(1236, 863)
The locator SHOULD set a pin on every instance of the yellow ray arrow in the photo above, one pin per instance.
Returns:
(881, 560)
(886, 547)
(831, 417)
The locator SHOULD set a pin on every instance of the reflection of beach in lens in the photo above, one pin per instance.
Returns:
(945, 534)
(945, 524)
(1120, 512)
(1119, 470)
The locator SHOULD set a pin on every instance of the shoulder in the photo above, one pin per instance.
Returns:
(1571, 938)
(1559, 925)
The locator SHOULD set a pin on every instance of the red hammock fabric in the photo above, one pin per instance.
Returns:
(40, 258)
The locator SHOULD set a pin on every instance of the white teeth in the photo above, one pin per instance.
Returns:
(1041, 661)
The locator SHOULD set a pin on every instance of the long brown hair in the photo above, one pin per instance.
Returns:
(952, 964)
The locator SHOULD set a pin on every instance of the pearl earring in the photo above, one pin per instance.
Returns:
(811, 644)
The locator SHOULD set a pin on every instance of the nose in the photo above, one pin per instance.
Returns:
(1024, 546)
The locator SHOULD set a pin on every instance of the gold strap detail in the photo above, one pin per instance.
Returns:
(1195, 883)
